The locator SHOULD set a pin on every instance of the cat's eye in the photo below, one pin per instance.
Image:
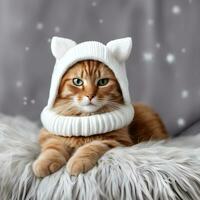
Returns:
(103, 81)
(77, 81)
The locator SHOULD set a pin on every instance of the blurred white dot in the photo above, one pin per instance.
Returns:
(181, 122)
(25, 103)
(25, 98)
(150, 22)
(19, 84)
(170, 58)
(33, 101)
(158, 45)
(184, 94)
(183, 50)
(27, 48)
(176, 9)
(94, 4)
(190, 1)
(100, 21)
(39, 26)
(148, 56)
(49, 40)
(57, 29)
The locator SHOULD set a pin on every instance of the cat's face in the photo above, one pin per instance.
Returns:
(88, 87)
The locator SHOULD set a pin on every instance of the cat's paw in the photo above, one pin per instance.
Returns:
(75, 166)
(42, 167)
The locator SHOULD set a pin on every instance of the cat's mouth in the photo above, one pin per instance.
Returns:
(91, 104)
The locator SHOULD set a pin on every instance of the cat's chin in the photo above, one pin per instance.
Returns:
(89, 109)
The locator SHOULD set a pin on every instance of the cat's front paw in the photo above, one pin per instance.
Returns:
(76, 165)
(44, 167)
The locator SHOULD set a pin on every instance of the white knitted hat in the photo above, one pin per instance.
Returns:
(67, 52)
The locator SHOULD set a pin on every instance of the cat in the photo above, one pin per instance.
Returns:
(89, 87)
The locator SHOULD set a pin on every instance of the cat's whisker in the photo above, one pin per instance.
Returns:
(114, 105)
(63, 106)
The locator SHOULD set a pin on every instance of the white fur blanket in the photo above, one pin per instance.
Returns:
(147, 171)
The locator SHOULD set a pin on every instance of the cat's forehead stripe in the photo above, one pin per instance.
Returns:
(89, 68)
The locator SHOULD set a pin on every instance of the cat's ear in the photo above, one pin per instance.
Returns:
(59, 46)
(120, 48)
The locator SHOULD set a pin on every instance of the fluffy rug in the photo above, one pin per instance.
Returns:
(147, 171)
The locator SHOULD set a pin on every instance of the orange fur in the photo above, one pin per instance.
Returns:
(147, 125)
(82, 153)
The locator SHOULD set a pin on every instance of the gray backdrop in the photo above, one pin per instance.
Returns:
(163, 69)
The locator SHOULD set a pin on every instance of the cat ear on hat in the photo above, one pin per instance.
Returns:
(120, 48)
(59, 46)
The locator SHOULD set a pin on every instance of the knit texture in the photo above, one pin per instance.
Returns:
(87, 125)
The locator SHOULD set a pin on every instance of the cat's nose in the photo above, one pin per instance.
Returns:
(90, 97)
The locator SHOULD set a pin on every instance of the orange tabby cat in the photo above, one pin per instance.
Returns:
(96, 90)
